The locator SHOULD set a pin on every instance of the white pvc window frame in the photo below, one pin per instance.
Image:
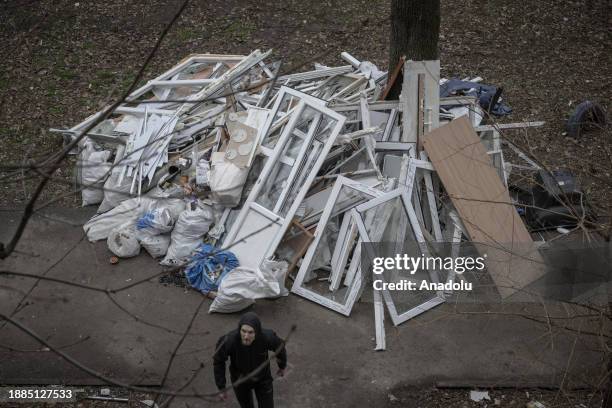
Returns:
(353, 279)
(427, 168)
(397, 317)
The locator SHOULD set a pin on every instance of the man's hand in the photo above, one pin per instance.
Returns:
(223, 396)
(280, 372)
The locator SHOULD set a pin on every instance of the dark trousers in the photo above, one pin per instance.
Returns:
(263, 393)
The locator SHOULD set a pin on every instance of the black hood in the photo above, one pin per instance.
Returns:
(252, 320)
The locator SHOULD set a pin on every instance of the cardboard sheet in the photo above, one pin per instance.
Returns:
(484, 205)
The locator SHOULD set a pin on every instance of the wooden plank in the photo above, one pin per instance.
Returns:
(484, 205)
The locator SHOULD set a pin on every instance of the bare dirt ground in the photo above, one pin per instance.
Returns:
(64, 60)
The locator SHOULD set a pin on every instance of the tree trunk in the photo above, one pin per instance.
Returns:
(415, 27)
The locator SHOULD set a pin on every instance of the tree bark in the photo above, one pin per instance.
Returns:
(415, 27)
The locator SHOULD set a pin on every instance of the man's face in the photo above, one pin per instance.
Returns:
(247, 334)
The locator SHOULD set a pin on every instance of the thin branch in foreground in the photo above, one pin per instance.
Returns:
(178, 346)
(121, 384)
(7, 249)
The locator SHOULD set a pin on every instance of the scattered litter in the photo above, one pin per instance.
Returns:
(113, 399)
(535, 404)
(478, 396)
(149, 403)
(174, 278)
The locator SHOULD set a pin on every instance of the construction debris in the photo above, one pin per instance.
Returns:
(250, 177)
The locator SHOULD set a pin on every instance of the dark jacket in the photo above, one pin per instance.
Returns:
(245, 359)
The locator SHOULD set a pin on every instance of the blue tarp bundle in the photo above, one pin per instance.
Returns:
(208, 266)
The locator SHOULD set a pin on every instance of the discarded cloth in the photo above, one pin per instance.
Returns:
(484, 93)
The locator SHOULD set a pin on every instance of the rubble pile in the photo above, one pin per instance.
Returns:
(250, 179)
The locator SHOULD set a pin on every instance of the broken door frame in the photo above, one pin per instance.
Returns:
(309, 140)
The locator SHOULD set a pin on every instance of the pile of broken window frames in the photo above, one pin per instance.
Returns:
(290, 173)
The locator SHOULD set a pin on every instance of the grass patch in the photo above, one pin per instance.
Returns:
(240, 30)
(103, 79)
(185, 34)
(50, 89)
(65, 73)
(56, 110)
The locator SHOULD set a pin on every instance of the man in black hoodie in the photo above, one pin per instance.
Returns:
(247, 347)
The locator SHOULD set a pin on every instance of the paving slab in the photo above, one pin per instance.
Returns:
(332, 362)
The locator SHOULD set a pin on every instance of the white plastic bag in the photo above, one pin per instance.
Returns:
(100, 226)
(175, 205)
(94, 169)
(235, 293)
(239, 289)
(157, 245)
(188, 232)
(122, 241)
(115, 193)
(273, 273)
(226, 180)
(156, 221)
